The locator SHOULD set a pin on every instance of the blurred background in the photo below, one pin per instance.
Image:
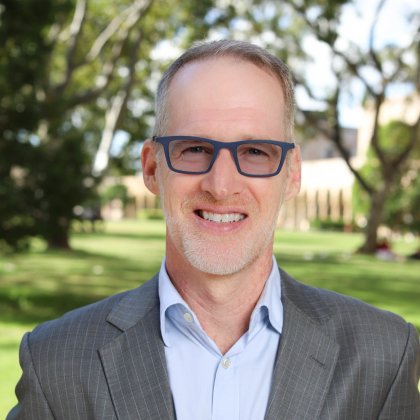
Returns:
(77, 82)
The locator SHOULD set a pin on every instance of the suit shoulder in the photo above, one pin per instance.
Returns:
(342, 311)
(90, 321)
(361, 330)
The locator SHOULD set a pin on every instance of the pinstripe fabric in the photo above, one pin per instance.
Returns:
(103, 361)
(338, 359)
(342, 359)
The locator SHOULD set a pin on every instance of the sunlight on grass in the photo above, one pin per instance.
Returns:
(10, 336)
(44, 284)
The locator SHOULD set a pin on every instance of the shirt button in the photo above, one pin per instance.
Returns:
(188, 317)
(226, 363)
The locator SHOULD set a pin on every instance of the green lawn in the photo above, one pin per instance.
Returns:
(41, 285)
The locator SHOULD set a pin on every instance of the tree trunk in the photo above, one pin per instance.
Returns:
(378, 200)
(59, 242)
(59, 237)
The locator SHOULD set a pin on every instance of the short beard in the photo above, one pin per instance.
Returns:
(221, 262)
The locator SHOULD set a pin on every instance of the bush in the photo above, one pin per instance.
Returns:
(151, 214)
(328, 224)
(115, 192)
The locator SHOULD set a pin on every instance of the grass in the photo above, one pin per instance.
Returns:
(43, 284)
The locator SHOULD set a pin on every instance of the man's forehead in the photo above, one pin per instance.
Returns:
(241, 119)
(220, 67)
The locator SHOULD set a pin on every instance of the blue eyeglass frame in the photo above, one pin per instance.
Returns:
(218, 145)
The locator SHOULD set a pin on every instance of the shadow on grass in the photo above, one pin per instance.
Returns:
(55, 282)
(40, 307)
(79, 254)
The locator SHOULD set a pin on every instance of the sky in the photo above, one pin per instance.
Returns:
(392, 27)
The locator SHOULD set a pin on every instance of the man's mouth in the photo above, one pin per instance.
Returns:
(220, 217)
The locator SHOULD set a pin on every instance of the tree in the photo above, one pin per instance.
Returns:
(389, 65)
(402, 208)
(375, 68)
(23, 54)
(95, 64)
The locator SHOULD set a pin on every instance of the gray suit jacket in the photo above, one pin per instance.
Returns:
(338, 359)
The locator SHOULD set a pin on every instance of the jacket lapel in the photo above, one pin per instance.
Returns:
(134, 362)
(305, 364)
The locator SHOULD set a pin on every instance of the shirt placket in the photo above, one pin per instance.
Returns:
(226, 390)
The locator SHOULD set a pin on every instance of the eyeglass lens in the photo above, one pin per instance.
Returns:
(197, 156)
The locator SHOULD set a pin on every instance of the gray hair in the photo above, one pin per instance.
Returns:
(238, 49)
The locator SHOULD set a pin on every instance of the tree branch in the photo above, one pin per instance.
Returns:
(107, 34)
(374, 139)
(355, 70)
(136, 15)
(334, 133)
(417, 44)
(372, 52)
(298, 80)
(115, 111)
(353, 66)
(414, 141)
(45, 88)
(74, 35)
(337, 139)
(130, 14)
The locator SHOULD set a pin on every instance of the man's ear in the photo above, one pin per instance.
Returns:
(294, 174)
(149, 165)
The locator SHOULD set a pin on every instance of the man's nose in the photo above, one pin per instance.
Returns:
(223, 180)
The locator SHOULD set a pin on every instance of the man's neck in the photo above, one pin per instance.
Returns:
(223, 304)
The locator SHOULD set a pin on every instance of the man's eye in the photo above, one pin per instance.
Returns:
(195, 149)
(255, 152)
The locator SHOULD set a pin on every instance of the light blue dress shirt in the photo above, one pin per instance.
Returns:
(207, 385)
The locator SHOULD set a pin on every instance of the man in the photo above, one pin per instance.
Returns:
(221, 332)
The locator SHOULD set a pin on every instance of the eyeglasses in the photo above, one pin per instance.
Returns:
(196, 155)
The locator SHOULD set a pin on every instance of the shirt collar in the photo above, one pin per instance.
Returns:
(269, 299)
(168, 296)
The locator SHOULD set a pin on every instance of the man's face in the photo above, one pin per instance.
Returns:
(221, 222)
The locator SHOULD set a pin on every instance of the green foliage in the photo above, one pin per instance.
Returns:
(61, 180)
(328, 225)
(44, 171)
(402, 209)
(54, 96)
(150, 214)
(115, 192)
(24, 52)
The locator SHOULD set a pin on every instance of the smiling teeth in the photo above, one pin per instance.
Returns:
(222, 218)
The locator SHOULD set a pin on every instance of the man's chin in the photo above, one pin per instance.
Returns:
(216, 268)
(218, 255)
(219, 262)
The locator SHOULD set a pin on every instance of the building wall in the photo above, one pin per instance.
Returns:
(325, 195)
